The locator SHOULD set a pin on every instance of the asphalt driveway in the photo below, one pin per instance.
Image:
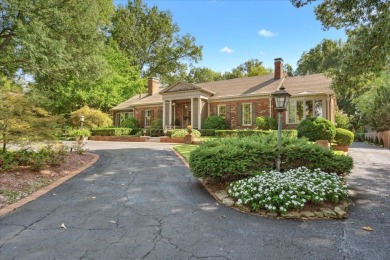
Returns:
(140, 202)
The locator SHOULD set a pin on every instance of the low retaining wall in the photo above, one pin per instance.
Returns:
(166, 139)
(118, 138)
(385, 135)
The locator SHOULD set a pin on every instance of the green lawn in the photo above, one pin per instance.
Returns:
(185, 150)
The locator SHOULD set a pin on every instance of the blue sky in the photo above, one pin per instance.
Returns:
(232, 32)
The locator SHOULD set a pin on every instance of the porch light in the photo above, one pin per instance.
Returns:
(281, 97)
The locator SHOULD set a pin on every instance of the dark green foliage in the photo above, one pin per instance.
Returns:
(376, 141)
(154, 132)
(316, 128)
(111, 131)
(359, 137)
(344, 137)
(130, 122)
(240, 133)
(207, 132)
(266, 123)
(215, 122)
(237, 158)
(157, 124)
(381, 143)
(289, 133)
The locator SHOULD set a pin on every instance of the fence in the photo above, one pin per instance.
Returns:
(385, 135)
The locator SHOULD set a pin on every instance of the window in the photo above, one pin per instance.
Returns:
(300, 109)
(246, 114)
(222, 111)
(122, 116)
(148, 118)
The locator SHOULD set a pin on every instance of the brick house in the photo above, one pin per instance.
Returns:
(238, 100)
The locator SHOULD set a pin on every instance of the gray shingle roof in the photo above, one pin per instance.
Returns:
(257, 85)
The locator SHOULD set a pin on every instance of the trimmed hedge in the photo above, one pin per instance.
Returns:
(266, 123)
(316, 128)
(240, 133)
(184, 132)
(207, 132)
(237, 158)
(111, 131)
(344, 137)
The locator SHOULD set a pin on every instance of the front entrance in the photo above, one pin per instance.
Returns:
(186, 115)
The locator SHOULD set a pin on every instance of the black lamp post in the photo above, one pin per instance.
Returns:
(281, 97)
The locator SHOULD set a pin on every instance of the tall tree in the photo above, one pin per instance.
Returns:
(151, 40)
(325, 57)
(199, 75)
(253, 67)
(367, 24)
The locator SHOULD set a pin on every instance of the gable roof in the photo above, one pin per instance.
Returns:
(240, 87)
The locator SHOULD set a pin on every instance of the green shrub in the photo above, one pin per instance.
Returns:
(93, 118)
(130, 122)
(111, 131)
(381, 143)
(342, 120)
(280, 192)
(266, 123)
(178, 133)
(79, 132)
(154, 132)
(360, 137)
(215, 122)
(207, 132)
(344, 137)
(316, 128)
(238, 158)
(376, 141)
(288, 133)
(240, 133)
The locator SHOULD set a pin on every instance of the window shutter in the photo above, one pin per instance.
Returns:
(215, 111)
(254, 114)
(227, 117)
(142, 121)
(239, 114)
(151, 115)
(160, 112)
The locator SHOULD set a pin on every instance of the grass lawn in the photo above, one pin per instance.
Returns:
(185, 150)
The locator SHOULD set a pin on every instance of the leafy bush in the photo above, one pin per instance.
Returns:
(266, 123)
(343, 137)
(316, 128)
(111, 131)
(289, 133)
(178, 133)
(130, 122)
(360, 137)
(156, 124)
(207, 132)
(240, 133)
(154, 132)
(79, 132)
(342, 120)
(215, 122)
(280, 192)
(92, 118)
(238, 158)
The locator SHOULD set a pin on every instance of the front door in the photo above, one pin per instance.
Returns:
(186, 115)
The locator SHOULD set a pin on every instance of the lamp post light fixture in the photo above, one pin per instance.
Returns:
(82, 121)
(281, 97)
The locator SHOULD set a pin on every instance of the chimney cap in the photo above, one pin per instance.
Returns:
(278, 59)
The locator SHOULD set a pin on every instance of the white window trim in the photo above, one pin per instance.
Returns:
(218, 109)
(243, 114)
(304, 114)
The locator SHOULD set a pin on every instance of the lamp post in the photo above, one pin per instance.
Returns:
(281, 97)
(82, 121)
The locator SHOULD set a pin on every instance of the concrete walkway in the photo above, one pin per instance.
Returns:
(140, 202)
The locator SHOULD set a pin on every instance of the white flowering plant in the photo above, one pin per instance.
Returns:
(282, 191)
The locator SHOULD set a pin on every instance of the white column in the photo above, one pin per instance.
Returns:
(208, 108)
(199, 113)
(170, 113)
(192, 112)
(164, 123)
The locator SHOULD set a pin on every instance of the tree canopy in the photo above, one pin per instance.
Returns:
(151, 41)
(253, 67)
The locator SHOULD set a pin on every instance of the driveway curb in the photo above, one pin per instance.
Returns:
(48, 188)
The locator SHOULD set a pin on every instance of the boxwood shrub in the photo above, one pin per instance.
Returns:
(207, 132)
(344, 137)
(111, 131)
(266, 123)
(215, 122)
(237, 158)
(240, 133)
(316, 128)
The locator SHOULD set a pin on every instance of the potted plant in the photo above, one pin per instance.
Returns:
(189, 129)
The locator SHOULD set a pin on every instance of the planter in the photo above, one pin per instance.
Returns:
(188, 139)
(323, 143)
(343, 148)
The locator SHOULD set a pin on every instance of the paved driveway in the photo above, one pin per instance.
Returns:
(140, 202)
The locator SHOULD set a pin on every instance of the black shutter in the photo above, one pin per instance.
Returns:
(239, 115)
(142, 121)
(151, 116)
(254, 114)
(227, 117)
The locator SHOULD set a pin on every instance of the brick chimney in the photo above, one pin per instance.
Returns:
(153, 86)
(278, 71)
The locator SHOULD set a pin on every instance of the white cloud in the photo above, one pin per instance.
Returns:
(226, 49)
(266, 33)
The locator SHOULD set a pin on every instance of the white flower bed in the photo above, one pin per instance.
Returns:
(279, 192)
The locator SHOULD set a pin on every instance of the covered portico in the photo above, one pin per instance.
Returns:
(185, 104)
